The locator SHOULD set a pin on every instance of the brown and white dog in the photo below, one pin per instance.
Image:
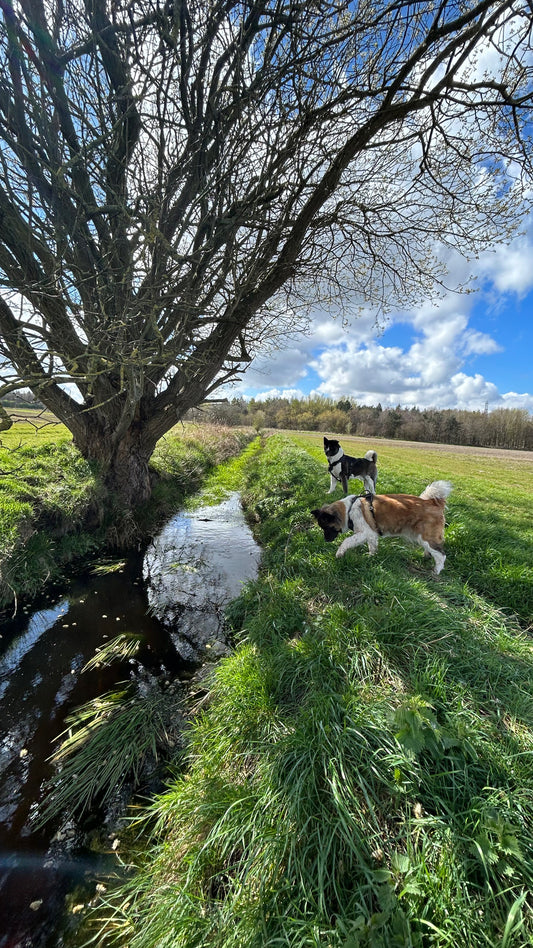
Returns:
(418, 519)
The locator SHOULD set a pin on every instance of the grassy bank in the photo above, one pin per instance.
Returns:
(52, 504)
(362, 773)
(490, 528)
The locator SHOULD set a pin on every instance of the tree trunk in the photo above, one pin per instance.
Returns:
(123, 464)
(128, 476)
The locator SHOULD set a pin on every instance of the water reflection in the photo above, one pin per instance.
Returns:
(39, 623)
(40, 684)
(196, 565)
(173, 597)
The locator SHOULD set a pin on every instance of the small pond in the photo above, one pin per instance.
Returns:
(173, 595)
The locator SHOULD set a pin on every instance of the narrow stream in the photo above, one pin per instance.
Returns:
(173, 595)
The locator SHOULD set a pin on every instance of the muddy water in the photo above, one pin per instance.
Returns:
(173, 595)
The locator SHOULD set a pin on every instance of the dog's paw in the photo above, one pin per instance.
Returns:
(340, 553)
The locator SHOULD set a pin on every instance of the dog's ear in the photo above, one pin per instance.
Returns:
(322, 515)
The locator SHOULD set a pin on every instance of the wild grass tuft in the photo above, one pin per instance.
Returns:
(123, 647)
(106, 744)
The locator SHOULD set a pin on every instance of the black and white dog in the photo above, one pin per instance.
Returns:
(341, 467)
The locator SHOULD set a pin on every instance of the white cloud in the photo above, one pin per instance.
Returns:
(419, 374)
(473, 391)
(431, 361)
(510, 268)
(372, 369)
(278, 368)
(515, 400)
(479, 343)
(288, 393)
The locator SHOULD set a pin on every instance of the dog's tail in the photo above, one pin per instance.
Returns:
(371, 456)
(438, 490)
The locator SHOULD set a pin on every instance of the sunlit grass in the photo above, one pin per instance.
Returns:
(46, 492)
(489, 535)
(32, 428)
(123, 647)
(107, 566)
(105, 744)
(362, 774)
(227, 476)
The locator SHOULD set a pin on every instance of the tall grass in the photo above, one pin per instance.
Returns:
(362, 773)
(106, 745)
(47, 493)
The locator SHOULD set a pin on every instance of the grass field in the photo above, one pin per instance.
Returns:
(361, 775)
(492, 503)
(45, 491)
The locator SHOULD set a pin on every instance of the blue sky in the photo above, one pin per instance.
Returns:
(464, 351)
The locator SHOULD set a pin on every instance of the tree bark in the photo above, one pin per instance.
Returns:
(123, 465)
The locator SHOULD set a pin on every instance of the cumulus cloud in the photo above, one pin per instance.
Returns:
(428, 360)
(515, 400)
(288, 393)
(479, 343)
(473, 391)
(283, 367)
(510, 268)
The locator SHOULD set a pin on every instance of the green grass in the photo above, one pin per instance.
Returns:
(52, 505)
(361, 776)
(106, 745)
(226, 476)
(47, 492)
(489, 536)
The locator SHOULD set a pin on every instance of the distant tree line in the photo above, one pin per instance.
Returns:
(501, 428)
(22, 399)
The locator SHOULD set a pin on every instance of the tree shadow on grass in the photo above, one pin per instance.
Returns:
(405, 707)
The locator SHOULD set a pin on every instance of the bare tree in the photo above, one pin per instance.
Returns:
(176, 175)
